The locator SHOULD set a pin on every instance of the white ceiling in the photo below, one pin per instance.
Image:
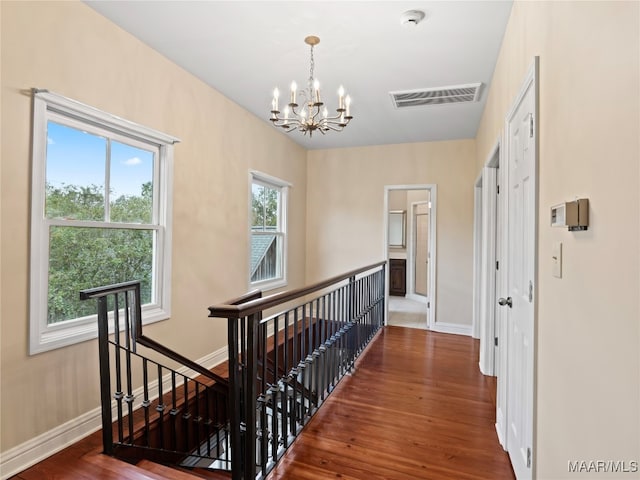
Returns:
(246, 48)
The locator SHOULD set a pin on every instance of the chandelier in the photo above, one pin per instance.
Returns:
(313, 114)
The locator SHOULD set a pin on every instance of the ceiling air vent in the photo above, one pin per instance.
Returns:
(437, 96)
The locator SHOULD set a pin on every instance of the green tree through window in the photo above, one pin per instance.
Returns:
(81, 257)
(264, 203)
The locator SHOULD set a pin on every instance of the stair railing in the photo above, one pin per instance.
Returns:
(283, 366)
(174, 417)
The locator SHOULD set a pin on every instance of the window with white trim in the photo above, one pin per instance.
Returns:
(100, 214)
(268, 232)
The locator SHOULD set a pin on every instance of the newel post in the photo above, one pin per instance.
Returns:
(250, 396)
(105, 376)
(235, 394)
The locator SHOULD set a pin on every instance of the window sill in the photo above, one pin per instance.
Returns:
(268, 285)
(59, 336)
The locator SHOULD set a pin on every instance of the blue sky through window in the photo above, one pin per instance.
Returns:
(78, 158)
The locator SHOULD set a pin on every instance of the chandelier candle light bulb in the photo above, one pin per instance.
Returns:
(311, 116)
(294, 87)
(316, 87)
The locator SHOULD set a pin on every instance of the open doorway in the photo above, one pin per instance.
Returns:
(488, 230)
(409, 246)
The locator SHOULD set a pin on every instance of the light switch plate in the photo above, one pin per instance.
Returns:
(556, 259)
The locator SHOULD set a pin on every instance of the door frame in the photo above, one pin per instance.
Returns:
(433, 197)
(486, 241)
(477, 258)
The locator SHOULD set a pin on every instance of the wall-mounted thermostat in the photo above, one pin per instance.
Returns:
(573, 215)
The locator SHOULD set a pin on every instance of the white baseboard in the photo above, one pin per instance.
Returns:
(453, 328)
(27, 454)
(38, 448)
(500, 438)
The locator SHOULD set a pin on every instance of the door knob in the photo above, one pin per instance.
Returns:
(505, 301)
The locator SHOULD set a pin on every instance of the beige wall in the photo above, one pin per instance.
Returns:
(398, 200)
(588, 338)
(71, 50)
(345, 212)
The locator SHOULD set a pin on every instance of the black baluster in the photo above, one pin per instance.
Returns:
(276, 350)
(197, 419)
(186, 414)
(145, 400)
(174, 413)
(160, 409)
(262, 434)
(207, 419)
(294, 358)
(129, 397)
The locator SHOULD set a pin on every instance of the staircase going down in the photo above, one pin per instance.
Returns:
(168, 417)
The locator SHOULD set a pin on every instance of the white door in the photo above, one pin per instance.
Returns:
(421, 269)
(521, 251)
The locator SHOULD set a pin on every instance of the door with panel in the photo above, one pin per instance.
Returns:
(521, 276)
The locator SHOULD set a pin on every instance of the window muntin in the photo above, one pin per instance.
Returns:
(267, 231)
(101, 202)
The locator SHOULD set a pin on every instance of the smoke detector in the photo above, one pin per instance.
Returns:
(411, 18)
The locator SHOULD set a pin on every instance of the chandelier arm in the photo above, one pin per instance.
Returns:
(289, 124)
(339, 116)
(293, 107)
(335, 128)
(339, 124)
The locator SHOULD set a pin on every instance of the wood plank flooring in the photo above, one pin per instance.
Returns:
(416, 407)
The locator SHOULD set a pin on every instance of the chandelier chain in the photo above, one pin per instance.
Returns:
(311, 66)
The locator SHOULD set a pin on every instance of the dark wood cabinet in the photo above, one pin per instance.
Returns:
(397, 277)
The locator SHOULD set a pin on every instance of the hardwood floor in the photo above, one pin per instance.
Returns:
(416, 407)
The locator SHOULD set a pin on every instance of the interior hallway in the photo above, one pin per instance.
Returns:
(416, 407)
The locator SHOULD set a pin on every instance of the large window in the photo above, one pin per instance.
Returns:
(101, 193)
(267, 256)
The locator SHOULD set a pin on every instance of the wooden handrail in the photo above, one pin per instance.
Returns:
(149, 342)
(236, 309)
(221, 383)
(247, 297)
